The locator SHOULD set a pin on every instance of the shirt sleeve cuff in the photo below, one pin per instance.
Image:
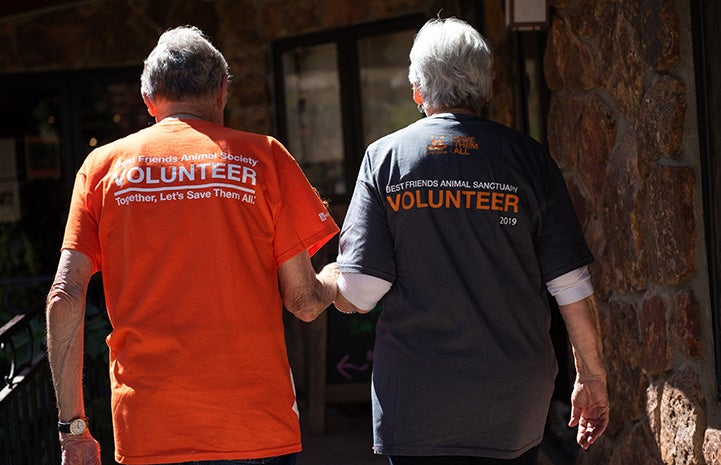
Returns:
(362, 290)
(571, 287)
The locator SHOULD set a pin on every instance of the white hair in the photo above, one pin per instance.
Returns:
(183, 65)
(451, 65)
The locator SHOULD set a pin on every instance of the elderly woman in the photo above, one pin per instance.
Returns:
(458, 226)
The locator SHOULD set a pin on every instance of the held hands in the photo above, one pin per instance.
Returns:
(80, 450)
(589, 410)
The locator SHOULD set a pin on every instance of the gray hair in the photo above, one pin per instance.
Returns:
(184, 65)
(451, 65)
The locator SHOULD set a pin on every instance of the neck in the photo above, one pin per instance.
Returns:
(185, 116)
(182, 113)
(182, 110)
(462, 110)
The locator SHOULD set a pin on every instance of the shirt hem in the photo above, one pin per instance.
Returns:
(456, 451)
(205, 456)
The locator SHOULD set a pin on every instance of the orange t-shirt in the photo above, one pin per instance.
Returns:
(188, 222)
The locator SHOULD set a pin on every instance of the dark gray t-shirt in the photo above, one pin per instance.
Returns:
(468, 219)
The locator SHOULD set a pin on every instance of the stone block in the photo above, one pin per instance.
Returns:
(664, 113)
(686, 322)
(637, 447)
(564, 53)
(658, 30)
(625, 83)
(655, 356)
(668, 227)
(683, 420)
(594, 22)
(626, 383)
(594, 19)
(712, 446)
(564, 116)
(620, 219)
(597, 136)
(653, 408)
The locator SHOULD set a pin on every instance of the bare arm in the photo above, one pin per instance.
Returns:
(589, 401)
(65, 314)
(305, 293)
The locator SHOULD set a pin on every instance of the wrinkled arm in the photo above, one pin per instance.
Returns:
(305, 293)
(589, 401)
(65, 313)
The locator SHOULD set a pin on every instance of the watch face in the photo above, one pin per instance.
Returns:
(77, 427)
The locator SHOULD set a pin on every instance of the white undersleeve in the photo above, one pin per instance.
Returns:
(571, 287)
(362, 290)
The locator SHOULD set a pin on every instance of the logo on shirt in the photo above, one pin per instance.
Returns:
(437, 146)
(148, 179)
(459, 145)
(323, 216)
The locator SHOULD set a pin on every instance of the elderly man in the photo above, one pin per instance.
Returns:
(201, 233)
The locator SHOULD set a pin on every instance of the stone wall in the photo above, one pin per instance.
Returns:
(622, 127)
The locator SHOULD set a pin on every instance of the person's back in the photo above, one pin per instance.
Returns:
(468, 311)
(202, 234)
(457, 226)
(187, 212)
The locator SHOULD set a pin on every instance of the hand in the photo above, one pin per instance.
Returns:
(589, 410)
(329, 272)
(80, 450)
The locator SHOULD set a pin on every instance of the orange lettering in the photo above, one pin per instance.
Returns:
(396, 204)
(455, 197)
(497, 201)
(511, 202)
(433, 204)
(482, 201)
(419, 203)
(468, 195)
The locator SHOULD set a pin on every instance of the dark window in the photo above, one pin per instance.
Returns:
(49, 122)
(339, 90)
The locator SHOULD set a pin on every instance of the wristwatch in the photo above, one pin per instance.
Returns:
(75, 427)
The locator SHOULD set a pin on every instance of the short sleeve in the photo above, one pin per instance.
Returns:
(366, 243)
(81, 229)
(302, 222)
(560, 244)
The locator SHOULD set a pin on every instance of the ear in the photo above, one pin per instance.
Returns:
(222, 97)
(152, 108)
(417, 97)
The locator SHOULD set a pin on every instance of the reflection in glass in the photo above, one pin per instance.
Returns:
(312, 104)
(385, 91)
